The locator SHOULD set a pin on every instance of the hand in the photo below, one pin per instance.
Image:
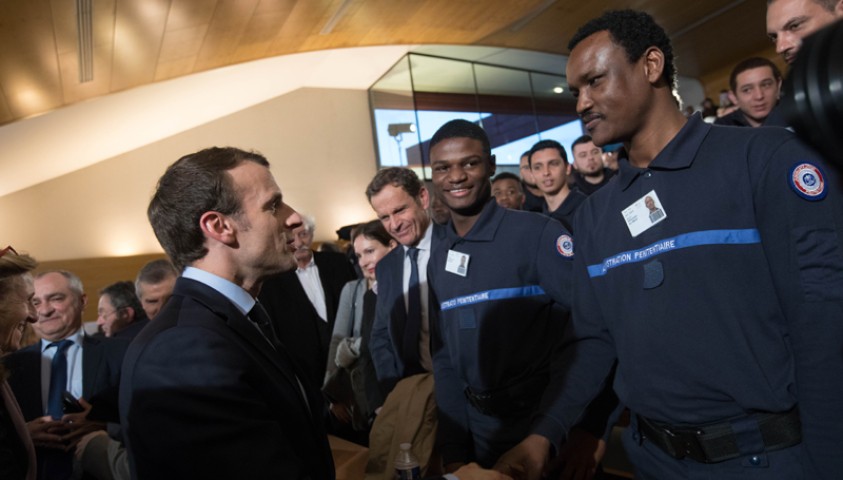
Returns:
(46, 432)
(580, 455)
(527, 460)
(341, 412)
(78, 426)
(472, 471)
(453, 467)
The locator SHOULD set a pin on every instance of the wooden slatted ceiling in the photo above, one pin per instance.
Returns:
(138, 42)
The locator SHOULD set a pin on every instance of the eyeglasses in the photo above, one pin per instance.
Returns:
(7, 250)
(106, 314)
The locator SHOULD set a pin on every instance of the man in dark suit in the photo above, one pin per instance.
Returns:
(119, 311)
(400, 342)
(208, 391)
(90, 369)
(303, 302)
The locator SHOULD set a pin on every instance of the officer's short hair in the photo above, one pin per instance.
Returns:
(548, 144)
(749, 64)
(635, 32)
(580, 141)
(399, 177)
(507, 176)
(461, 129)
(826, 4)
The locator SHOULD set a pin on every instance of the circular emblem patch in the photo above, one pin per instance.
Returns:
(565, 246)
(808, 181)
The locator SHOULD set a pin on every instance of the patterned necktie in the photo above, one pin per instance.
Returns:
(58, 378)
(414, 314)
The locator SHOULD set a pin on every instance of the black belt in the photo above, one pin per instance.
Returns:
(717, 443)
(514, 400)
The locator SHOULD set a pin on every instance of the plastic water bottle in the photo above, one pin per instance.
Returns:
(406, 464)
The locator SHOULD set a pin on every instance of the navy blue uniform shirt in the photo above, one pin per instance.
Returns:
(733, 303)
(502, 323)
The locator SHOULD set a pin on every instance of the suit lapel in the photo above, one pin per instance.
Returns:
(92, 357)
(243, 327)
(327, 290)
(399, 310)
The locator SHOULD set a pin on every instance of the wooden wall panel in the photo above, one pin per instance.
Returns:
(96, 273)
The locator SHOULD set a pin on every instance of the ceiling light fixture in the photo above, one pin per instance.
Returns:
(85, 40)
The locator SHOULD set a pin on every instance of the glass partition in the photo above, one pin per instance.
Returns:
(516, 107)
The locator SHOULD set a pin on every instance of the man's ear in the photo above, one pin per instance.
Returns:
(734, 99)
(653, 64)
(493, 165)
(218, 227)
(424, 197)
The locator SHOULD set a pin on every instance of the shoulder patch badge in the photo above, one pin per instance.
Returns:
(565, 246)
(808, 181)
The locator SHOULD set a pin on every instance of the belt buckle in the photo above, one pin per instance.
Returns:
(686, 444)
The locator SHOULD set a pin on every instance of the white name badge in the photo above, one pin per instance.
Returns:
(457, 263)
(644, 213)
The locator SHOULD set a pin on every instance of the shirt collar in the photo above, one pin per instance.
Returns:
(239, 297)
(424, 243)
(484, 228)
(310, 264)
(678, 154)
(76, 337)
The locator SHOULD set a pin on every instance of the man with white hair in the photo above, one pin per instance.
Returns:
(303, 302)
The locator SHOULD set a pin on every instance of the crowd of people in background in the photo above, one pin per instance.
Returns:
(683, 276)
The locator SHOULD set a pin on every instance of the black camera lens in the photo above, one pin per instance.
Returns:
(813, 92)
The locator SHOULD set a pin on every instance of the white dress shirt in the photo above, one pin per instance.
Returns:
(312, 284)
(74, 367)
(423, 258)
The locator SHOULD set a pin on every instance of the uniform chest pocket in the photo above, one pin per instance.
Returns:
(466, 318)
(653, 273)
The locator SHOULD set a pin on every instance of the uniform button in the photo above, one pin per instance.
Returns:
(648, 174)
(754, 460)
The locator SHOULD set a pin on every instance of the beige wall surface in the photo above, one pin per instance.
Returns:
(318, 141)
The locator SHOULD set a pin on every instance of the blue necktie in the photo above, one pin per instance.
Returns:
(414, 315)
(58, 378)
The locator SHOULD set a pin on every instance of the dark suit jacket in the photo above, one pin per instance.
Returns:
(386, 342)
(101, 362)
(204, 395)
(306, 336)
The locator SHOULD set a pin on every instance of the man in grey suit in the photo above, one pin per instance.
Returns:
(208, 391)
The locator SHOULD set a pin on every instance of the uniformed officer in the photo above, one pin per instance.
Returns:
(501, 281)
(726, 312)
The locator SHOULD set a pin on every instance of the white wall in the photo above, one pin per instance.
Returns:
(319, 142)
